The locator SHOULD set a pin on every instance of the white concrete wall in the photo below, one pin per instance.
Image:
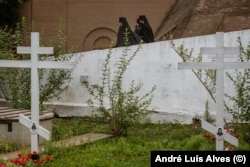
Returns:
(179, 95)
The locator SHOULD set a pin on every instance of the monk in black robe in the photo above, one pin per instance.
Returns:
(138, 28)
(124, 28)
(146, 30)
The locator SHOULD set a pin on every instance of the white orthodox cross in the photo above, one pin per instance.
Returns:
(35, 64)
(219, 65)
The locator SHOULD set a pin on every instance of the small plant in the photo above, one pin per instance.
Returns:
(126, 107)
(207, 117)
(7, 146)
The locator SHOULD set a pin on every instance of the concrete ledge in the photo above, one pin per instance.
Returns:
(83, 139)
(74, 141)
(155, 116)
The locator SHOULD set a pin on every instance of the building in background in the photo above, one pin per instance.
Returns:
(93, 24)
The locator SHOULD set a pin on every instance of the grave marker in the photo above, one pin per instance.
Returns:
(35, 64)
(219, 65)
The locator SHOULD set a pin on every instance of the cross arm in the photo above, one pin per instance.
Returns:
(15, 63)
(212, 65)
(56, 64)
(25, 120)
(212, 129)
(207, 126)
(40, 50)
(193, 65)
(231, 139)
(237, 65)
(44, 133)
(220, 50)
(41, 64)
(40, 130)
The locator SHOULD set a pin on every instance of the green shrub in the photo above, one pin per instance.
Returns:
(17, 80)
(126, 107)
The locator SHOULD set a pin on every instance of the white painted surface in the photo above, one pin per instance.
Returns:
(179, 95)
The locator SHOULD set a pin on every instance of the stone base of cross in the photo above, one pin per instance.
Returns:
(35, 64)
(220, 66)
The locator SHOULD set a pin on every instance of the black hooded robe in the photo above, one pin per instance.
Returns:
(146, 30)
(121, 39)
